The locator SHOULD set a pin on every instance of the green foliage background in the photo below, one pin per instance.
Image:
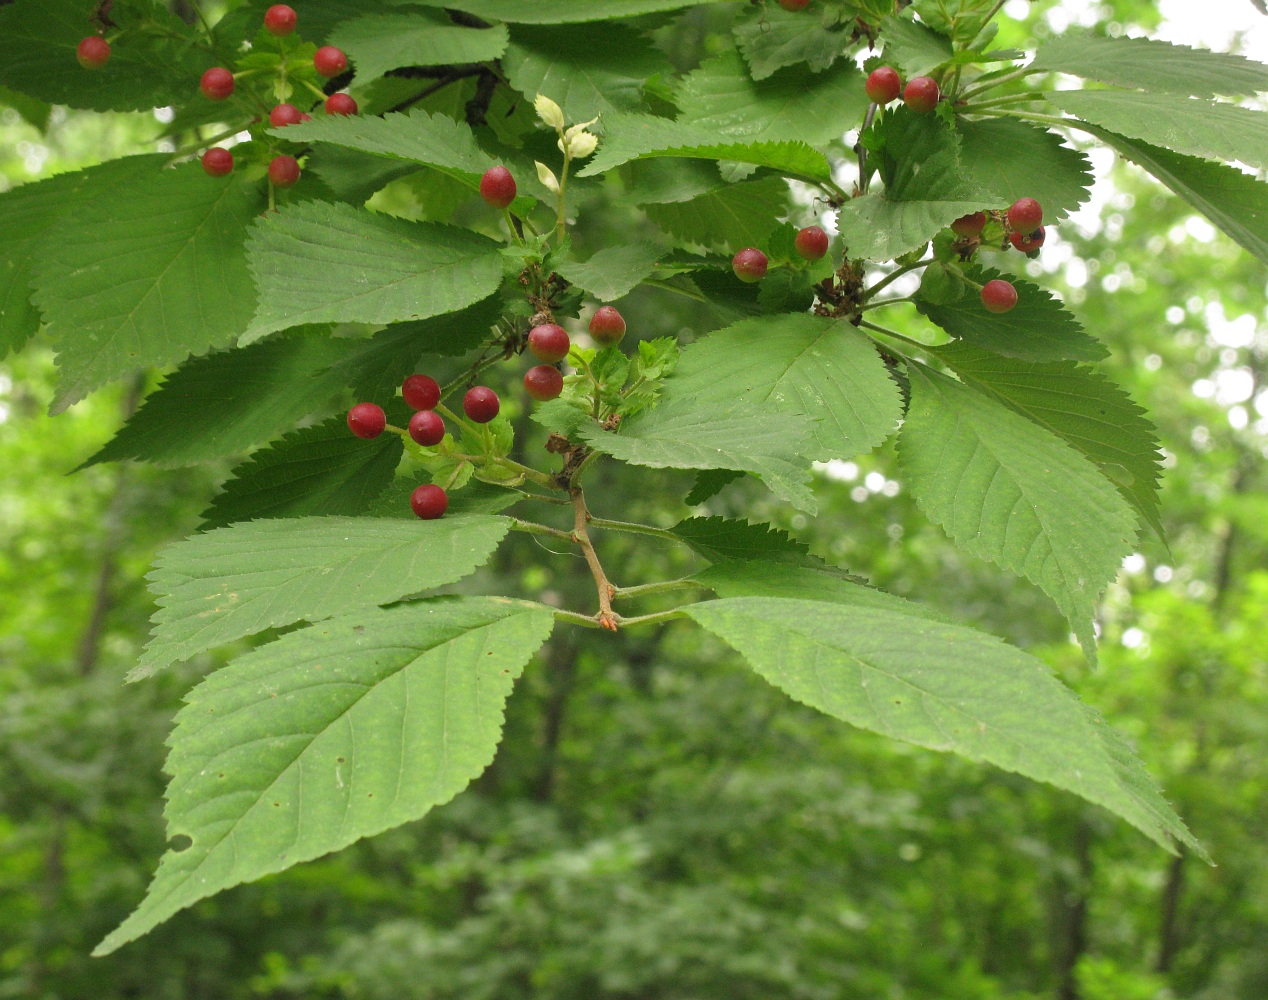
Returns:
(659, 823)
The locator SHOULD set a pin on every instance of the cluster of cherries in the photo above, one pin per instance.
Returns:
(1024, 220)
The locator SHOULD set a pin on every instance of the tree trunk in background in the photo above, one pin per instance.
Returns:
(1074, 909)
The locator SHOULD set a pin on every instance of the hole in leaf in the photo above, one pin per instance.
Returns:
(181, 842)
(339, 760)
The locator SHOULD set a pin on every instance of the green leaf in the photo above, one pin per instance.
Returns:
(913, 48)
(772, 38)
(614, 271)
(797, 364)
(720, 539)
(1197, 128)
(709, 483)
(1038, 328)
(320, 263)
(330, 734)
(318, 470)
(1018, 160)
(946, 688)
(240, 580)
(377, 43)
(1010, 491)
(632, 137)
(679, 434)
(564, 11)
(146, 279)
(731, 218)
(1151, 65)
(1082, 407)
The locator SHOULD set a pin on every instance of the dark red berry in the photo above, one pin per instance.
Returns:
(217, 162)
(340, 104)
(607, 326)
(279, 20)
(284, 171)
(543, 382)
(969, 226)
(367, 420)
(549, 342)
(93, 52)
(1025, 215)
(794, 5)
(883, 85)
(429, 501)
(421, 392)
(216, 84)
(481, 404)
(921, 94)
(427, 428)
(1028, 243)
(284, 114)
(329, 61)
(497, 187)
(749, 265)
(811, 243)
(999, 296)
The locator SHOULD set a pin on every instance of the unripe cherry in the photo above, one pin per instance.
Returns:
(1025, 215)
(285, 114)
(811, 243)
(329, 61)
(883, 85)
(427, 428)
(497, 187)
(607, 326)
(284, 171)
(999, 296)
(217, 84)
(367, 420)
(340, 104)
(1028, 242)
(749, 265)
(429, 501)
(93, 52)
(280, 20)
(481, 404)
(969, 226)
(543, 382)
(921, 94)
(421, 392)
(549, 342)
(217, 162)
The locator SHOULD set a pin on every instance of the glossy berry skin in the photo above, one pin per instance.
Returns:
(285, 114)
(883, 85)
(481, 404)
(367, 420)
(921, 94)
(999, 296)
(1028, 243)
(421, 392)
(811, 243)
(1025, 215)
(749, 265)
(93, 52)
(217, 162)
(427, 428)
(280, 20)
(429, 502)
(607, 326)
(549, 342)
(794, 5)
(284, 171)
(969, 226)
(543, 382)
(329, 61)
(340, 104)
(216, 84)
(497, 187)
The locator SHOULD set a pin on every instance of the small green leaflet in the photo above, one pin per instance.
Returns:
(720, 539)
(709, 483)
(1018, 160)
(946, 688)
(772, 38)
(1010, 491)
(613, 271)
(731, 218)
(563, 11)
(379, 42)
(1155, 66)
(333, 733)
(318, 262)
(913, 48)
(797, 364)
(240, 580)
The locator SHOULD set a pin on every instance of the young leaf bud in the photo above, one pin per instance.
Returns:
(548, 111)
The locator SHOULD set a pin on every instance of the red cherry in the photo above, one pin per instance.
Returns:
(93, 52)
(543, 382)
(1025, 215)
(999, 296)
(883, 85)
(329, 61)
(969, 226)
(284, 171)
(497, 187)
(426, 428)
(340, 104)
(217, 162)
(421, 392)
(607, 326)
(1028, 243)
(429, 502)
(921, 94)
(749, 265)
(216, 84)
(280, 20)
(794, 5)
(481, 404)
(367, 420)
(549, 342)
(285, 114)
(811, 243)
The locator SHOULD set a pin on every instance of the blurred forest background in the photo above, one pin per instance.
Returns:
(660, 824)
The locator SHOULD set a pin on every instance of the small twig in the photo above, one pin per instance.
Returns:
(894, 275)
(633, 528)
(533, 528)
(606, 617)
(862, 150)
(646, 589)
